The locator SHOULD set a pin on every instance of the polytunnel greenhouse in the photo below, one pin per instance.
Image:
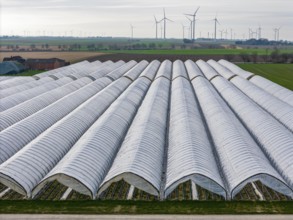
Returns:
(190, 130)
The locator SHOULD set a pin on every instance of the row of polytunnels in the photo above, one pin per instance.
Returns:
(146, 131)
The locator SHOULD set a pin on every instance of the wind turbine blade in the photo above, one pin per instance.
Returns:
(155, 18)
(164, 13)
(188, 14)
(169, 19)
(218, 22)
(188, 18)
(196, 11)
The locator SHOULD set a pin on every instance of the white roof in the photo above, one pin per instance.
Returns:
(155, 125)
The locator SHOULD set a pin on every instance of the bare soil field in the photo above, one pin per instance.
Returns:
(162, 57)
(69, 56)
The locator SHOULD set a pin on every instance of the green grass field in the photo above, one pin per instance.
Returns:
(140, 207)
(26, 73)
(259, 51)
(278, 73)
(162, 46)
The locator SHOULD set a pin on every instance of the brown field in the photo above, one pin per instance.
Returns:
(69, 56)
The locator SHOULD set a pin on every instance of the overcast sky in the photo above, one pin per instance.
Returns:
(113, 17)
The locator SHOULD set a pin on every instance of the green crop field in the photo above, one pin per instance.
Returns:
(259, 51)
(278, 73)
(118, 45)
(144, 207)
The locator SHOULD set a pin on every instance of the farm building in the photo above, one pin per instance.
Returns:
(45, 64)
(18, 59)
(148, 130)
(11, 67)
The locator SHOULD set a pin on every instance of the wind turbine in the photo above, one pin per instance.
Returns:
(216, 22)
(221, 31)
(226, 34)
(131, 28)
(183, 30)
(250, 33)
(254, 33)
(190, 28)
(259, 32)
(156, 23)
(193, 29)
(231, 30)
(278, 32)
(165, 19)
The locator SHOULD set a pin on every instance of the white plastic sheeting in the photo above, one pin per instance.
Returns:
(140, 158)
(115, 74)
(151, 70)
(93, 67)
(16, 89)
(44, 80)
(275, 139)
(31, 127)
(103, 71)
(136, 71)
(13, 100)
(66, 70)
(19, 112)
(14, 82)
(221, 70)
(190, 155)
(279, 109)
(63, 71)
(41, 155)
(235, 69)
(84, 167)
(2, 78)
(179, 70)
(276, 90)
(192, 69)
(221, 140)
(25, 109)
(165, 70)
(207, 69)
(241, 160)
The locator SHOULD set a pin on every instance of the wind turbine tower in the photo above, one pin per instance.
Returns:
(131, 28)
(216, 22)
(190, 27)
(157, 22)
(259, 32)
(231, 33)
(183, 30)
(221, 31)
(226, 34)
(193, 28)
(250, 33)
(278, 32)
(165, 19)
